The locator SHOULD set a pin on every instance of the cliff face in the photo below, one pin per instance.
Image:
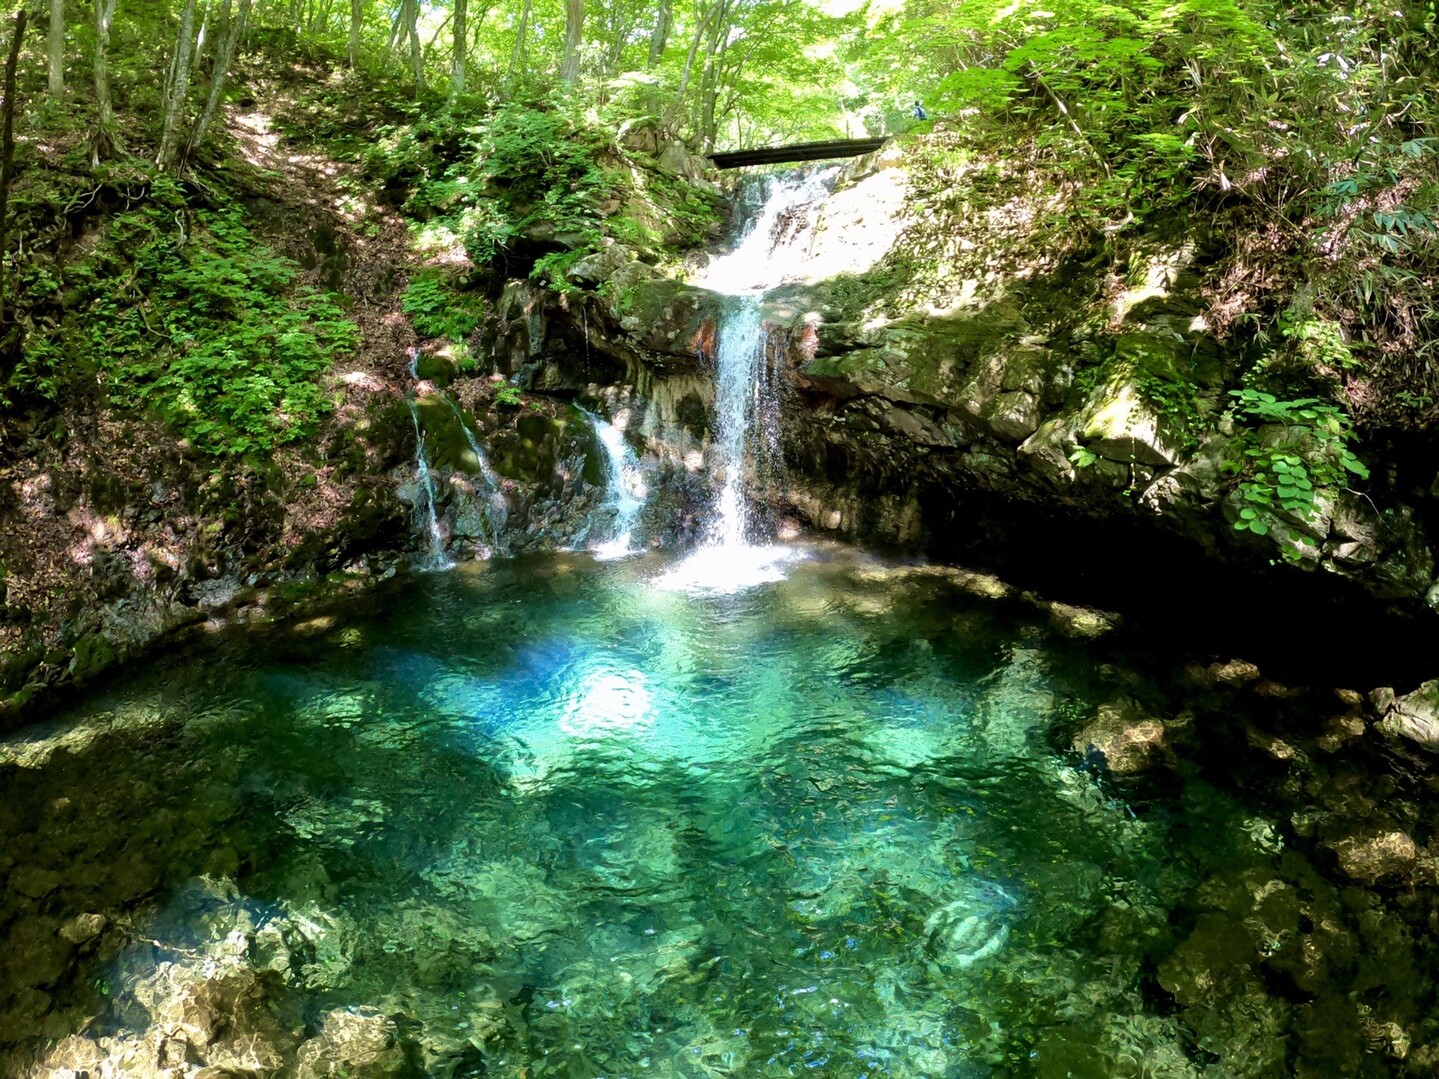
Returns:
(951, 365)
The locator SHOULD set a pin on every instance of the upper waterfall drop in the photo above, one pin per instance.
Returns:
(772, 249)
(774, 243)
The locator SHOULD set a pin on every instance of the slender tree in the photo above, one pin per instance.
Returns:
(104, 141)
(357, 14)
(7, 144)
(660, 36)
(56, 48)
(574, 38)
(232, 25)
(519, 49)
(179, 87)
(457, 65)
(410, 13)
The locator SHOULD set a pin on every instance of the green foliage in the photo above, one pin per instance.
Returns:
(1285, 475)
(544, 165)
(437, 308)
(184, 312)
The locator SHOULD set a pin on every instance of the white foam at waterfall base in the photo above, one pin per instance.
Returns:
(773, 250)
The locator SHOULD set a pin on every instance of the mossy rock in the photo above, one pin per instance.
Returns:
(92, 654)
(529, 452)
(1172, 357)
(436, 367)
(447, 443)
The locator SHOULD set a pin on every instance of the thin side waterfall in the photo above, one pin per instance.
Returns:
(497, 509)
(425, 500)
(625, 485)
(772, 250)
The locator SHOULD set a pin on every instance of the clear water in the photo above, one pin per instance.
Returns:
(565, 823)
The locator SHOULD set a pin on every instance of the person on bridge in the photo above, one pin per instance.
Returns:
(919, 113)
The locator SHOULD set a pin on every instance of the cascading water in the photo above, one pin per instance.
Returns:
(425, 499)
(772, 250)
(625, 484)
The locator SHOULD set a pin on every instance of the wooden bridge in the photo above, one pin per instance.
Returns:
(799, 151)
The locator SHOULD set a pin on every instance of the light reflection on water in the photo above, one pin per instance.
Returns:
(815, 827)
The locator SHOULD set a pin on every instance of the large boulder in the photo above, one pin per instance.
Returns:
(1414, 716)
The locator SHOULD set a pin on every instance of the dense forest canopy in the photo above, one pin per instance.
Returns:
(1213, 79)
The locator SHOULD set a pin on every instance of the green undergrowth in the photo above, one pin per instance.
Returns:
(439, 305)
(1291, 454)
(181, 310)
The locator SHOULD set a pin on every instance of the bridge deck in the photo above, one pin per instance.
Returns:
(800, 151)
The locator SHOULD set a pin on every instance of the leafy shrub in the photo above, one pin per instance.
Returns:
(1288, 477)
(544, 165)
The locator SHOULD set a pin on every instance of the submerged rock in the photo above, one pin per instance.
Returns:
(1376, 854)
(970, 929)
(358, 1044)
(1127, 739)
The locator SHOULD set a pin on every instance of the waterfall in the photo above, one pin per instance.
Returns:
(773, 249)
(497, 508)
(425, 499)
(625, 485)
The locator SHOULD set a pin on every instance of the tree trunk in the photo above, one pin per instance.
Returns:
(103, 142)
(574, 36)
(660, 37)
(57, 48)
(357, 12)
(202, 39)
(7, 145)
(457, 65)
(709, 89)
(412, 29)
(230, 30)
(179, 86)
(519, 48)
(689, 67)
